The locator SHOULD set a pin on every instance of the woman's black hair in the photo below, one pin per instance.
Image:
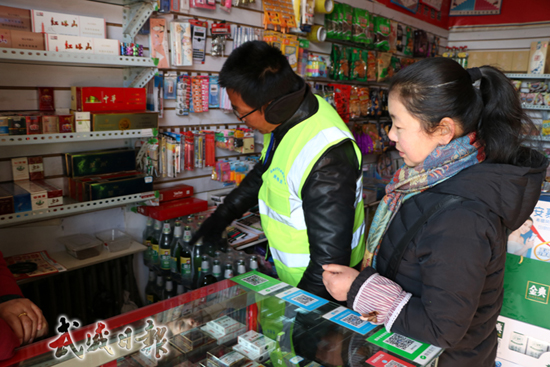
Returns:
(259, 73)
(434, 88)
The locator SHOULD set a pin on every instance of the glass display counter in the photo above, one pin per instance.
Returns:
(248, 321)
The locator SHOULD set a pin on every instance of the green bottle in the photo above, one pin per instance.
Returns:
(197, 262)
(186, 269)
(154, 239)
(147, 232)
(206, 277)
(164, 248)
(150, 294)
(175, 249)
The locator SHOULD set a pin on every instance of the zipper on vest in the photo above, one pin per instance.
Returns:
(269, 148)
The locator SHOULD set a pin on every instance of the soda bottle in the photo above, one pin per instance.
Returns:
(191, 223)
(217, 269)
(197, 262)
(241, 268)
(253, 263)
(228, 272)
(175, 249)
(147, 232)
(150, 295)
(159, 288)
(169, 290)
(206, 277)
(180, 289)
(154, 239)
(164, 248)
(186, 269)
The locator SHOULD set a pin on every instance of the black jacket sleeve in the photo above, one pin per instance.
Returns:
(328, 197)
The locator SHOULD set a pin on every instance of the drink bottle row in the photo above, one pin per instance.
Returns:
(176, 266)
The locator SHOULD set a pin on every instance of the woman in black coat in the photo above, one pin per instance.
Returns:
(467, 180)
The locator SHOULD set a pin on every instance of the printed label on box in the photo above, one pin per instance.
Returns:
(259, 282)
(20, 168)
(349, 319)
(382, 359)
(302, 299)
(411, 349)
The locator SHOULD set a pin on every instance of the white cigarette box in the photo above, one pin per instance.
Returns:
(106, 47)
(20, 168)
(82, 121)
(39, 195)
(92, 27)
(63, 43)
(67, 24)
(225, 325)
(256, 343)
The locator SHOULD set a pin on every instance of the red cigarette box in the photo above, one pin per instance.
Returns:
(66, 123)
(94, 99)
(34, 124)
(55, 195)
(174, 209)
(46, 101)
(176, 192)
(36, 168)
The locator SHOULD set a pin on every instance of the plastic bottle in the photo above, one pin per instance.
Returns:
(253, 263)
(154, 239)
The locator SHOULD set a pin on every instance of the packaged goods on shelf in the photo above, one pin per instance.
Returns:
(21, 198)
(159, 42)
(50, 124)
(93, 99)
(39, 195)
(82, 122)
(34, 125)
(175, 193)
(46, 100)
(36, 168)
(67, 24)
(173, 209)
(22, 39)
(232, 171)
(64, 43)
(120, 186)
(79, 186)
(99, 162)
(4, 126)
(182, 48)
(124, 121)
(15, 19)
(225, 325)
(20, 168)
(17, 125)
(6, 202)
(105, 46)
(55, 194)
(66, 123)
(256, 343)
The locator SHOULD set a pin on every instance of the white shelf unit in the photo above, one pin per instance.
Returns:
(73, 208)
(535, 107)
(528, 76)
(73, 137)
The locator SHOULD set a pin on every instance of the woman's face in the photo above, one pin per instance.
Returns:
(412, 142)
(526, 227)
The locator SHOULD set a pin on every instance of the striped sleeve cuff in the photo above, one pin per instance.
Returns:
(383, 296)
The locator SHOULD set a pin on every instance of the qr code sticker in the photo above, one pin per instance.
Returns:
(394, 364)
(354, 321)
(403, 343)
(254, 280)
(304, 300)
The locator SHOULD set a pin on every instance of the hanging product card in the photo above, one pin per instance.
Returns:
(159, 42)
(20, 168)
(411, 349)
(199, 39)
(170, 84)
(182, 48)
(259, 282)
(302, 299)
(214, 95)
(205, 92)
(382, 359)
(349, 319)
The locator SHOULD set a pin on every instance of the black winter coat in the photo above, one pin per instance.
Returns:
(454, 266)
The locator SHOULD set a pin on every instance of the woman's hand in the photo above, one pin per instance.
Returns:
(338, 279)
(24, 318)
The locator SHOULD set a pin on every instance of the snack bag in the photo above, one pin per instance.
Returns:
(344, 64)
(409, 42)
(400, 40)
(374, 103)
(546, 127)
(395, 66)
(347, 21)
(372, 67)
(393, 37)
(359, 64)
(330, 25)
(382, 30)
(420, 43)
(364, 101)
(354, 103)
(362, 27)
(335, 61)
(384, 60)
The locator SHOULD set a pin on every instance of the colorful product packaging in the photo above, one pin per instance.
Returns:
(67, 24)
(82, 121)
(50, 124)
(124, 121)
(78, 189)
(174, 208)
(46, 100)
(55, 194)
(94, 99)
(99, 162)
(66, 123)
(64, 43)
(159, 42)
(182, 48)
(38, 195)
(175, 193)
(20, 168)
(17, 125)
(34, 124)
(382, 30)
(120, 187)
(4, 125)
(21, 197)
(359, 59)
(362, 27)
(15, 19)
(36, 168)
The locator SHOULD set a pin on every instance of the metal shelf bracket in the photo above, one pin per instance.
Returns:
(138, 77)
(134, 17)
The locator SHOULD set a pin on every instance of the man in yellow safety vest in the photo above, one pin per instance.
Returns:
(308, 183)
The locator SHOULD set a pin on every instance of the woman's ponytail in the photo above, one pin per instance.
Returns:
(503, 122)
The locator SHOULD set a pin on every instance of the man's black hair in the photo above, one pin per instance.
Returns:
(259, 73)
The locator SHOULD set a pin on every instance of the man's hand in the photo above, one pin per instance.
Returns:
(210, 231)
(25, 319)
(338, 279)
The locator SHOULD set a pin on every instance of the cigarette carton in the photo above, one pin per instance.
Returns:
(97, 99)
(15, 19)
(67, 24)
(256, 343)
(21, 197)
(82, 122)
(20, 168)
(99, 162)
(63, 43)
(120, 187)
(18, 125)
(124, 121)
(39, 196)
(106, 46)
(50, 124)
(173, 209)
(176, 192)
(6, 202)
(27, 40)
(34, 124)
(36, 168)
(55, 194)
(66, 123)
(225, 325)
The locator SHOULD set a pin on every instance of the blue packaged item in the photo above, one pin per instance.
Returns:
(21, 197)
(214, 93)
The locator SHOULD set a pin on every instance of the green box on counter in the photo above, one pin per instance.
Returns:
(120, 187)
(124, 121)
(99, 162)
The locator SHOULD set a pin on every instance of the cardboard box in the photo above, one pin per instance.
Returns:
(27, 40)
(63, 43)
(520, 61)
(175, 193)
(20, 168)
(21, 198)
(256, 343)
(174, 209)
(67, 24)
(15, 19)
(55, 194)
(34, 124)
(99, 162)
(78, 189)
(46, 101)
(6, 202)
(5, 37)
(66, 123)
(94, 99)
(39, 195)
(523, 344)
(4, 125)
(36, 168)
(120, 187)
(539, 60)
(106, 47)
(50, 124)
(505, 60)
(124, 121)
(17, 125)
(82, 122)
(225, 325)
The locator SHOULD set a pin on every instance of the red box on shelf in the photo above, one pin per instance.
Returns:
(94, 99)
(76, 185)
(66, 123)
(176, 192)
(55, 195)
(174, 209)
(46, 101)
(34, 124)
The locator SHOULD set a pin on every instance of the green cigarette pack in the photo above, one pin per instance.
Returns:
(99, 162)
(125, 121)
(120, 187)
